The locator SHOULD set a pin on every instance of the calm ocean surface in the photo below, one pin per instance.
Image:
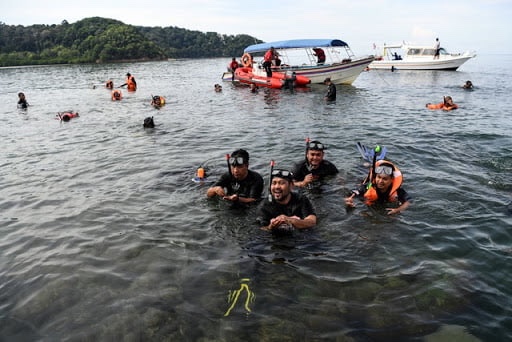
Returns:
(104, 237)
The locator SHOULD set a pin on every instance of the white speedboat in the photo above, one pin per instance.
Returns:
(302, 56)
(416, 57)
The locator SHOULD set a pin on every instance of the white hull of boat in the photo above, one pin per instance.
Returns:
(339, 73)
(432, 64)
(300, 56)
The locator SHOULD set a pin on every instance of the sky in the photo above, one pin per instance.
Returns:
(484, 26)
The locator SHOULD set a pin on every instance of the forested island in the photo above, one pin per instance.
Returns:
(102, 40)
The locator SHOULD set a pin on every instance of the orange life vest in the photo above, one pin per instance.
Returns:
(131, 86)
(162, 101)
(66, 116)
(371, 196)
(441, 106)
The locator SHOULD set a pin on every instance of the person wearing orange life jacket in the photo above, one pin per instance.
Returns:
(157, 101)
(66, 116)
(117, 95)
(269, 56)
(446, 105)
(130, 82)
(383, 188)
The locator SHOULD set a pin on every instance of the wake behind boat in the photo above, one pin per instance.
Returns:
(315, 59)
(417, 57)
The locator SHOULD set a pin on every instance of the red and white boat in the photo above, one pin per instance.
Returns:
(302, 56)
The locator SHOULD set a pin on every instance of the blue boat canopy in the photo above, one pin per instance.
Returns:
(295, 44)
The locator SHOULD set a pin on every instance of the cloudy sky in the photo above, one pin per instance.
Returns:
(484, 26)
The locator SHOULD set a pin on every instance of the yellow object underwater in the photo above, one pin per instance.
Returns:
(234, 295)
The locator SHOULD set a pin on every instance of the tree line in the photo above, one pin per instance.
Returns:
(101, 40)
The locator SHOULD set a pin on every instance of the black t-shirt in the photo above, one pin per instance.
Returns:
(331, 92)
(250, 187)
(299, 206)
(326, 168)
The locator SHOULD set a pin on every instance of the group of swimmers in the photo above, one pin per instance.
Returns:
(157, 101)
(447, 103)
(285, 209)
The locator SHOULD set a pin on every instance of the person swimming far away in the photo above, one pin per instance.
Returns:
(468, 85)
(67, 115)
(446, 105)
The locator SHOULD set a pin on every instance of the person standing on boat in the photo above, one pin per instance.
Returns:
(320, 55)
(232, 67)
(438, 48)
(269, 56)
(331, 90)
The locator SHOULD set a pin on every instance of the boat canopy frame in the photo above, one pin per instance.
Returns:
(288, 50)
(295, 44)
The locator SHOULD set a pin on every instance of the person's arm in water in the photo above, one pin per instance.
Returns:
(295, 221)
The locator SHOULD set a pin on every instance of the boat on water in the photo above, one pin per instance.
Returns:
(315, 59)
(277, 81)
(417, 57)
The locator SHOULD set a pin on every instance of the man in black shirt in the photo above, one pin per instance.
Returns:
(314, 168)
(331, 90)
(285, 209)
(239, 184)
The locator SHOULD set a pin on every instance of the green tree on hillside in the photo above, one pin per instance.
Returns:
(99, 40)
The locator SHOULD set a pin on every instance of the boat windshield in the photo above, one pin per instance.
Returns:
(414, 52)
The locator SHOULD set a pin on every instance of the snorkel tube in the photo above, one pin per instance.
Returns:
(229, 166)
(307, 147)
(272, 163)
(371, 173)
(375, 151)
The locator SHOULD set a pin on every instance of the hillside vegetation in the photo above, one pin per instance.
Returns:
(100, 40)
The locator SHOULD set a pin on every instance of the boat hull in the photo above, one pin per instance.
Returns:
(431, 64)
(338, 62)
(339, 73)
(419, 57)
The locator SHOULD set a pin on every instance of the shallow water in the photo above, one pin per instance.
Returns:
(105, 237)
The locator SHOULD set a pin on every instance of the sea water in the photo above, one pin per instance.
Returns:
(104, 236)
